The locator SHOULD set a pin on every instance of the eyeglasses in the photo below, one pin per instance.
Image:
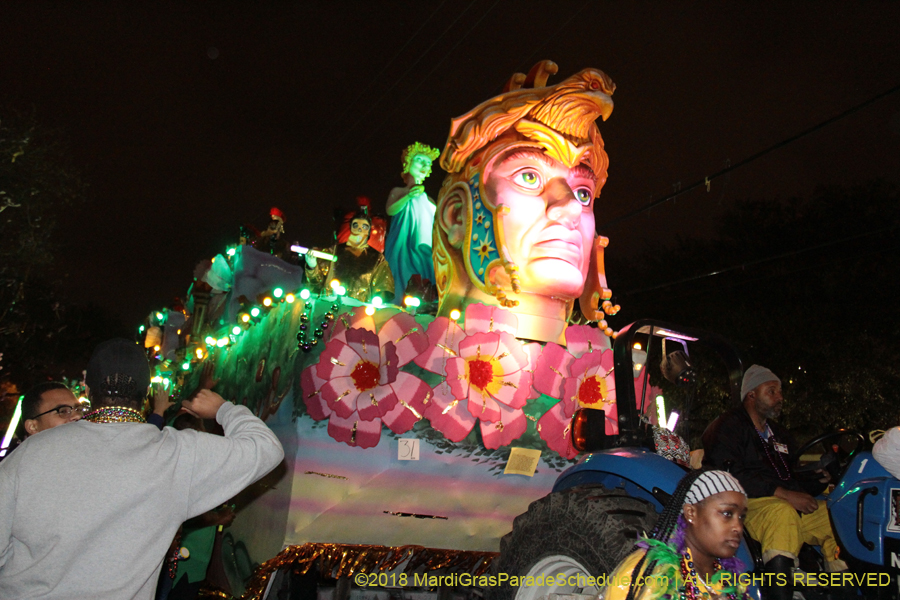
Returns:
(65, 411)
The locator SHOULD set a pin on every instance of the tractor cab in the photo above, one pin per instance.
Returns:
(632, 350)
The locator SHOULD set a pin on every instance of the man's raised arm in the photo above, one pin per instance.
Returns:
(223, 466)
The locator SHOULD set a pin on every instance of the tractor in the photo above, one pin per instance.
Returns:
(599, 507)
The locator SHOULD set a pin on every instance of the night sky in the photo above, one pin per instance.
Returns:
(190, 119)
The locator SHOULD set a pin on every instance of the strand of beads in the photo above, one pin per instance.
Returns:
(692, 586)
(302, 336)
(765, 443)
(115, 414)
(689, 576)
(307, 340)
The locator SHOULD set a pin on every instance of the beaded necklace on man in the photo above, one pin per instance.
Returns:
(115, 414)
(765, 443)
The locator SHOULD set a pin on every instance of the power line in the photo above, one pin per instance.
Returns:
(372, 105)
(753, 263)
(689, 294)
(526, 63)
(446, 55)
(384, 68)
(751, 158)
(372, 131)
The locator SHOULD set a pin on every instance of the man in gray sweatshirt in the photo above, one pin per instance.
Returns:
(89, 510)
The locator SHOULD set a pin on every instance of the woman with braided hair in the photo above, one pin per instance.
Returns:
(690, 553)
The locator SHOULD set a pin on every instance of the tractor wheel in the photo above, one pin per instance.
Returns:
(584, 531)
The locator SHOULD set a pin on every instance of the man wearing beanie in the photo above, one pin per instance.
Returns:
(783, 513)
(89, 510)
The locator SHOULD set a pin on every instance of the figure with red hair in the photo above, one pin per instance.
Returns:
(379, 225)
(360, 268)
(272, 239)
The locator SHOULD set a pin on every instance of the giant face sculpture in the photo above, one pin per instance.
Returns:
(549, 228)
(515, 223)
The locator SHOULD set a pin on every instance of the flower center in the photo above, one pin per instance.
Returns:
(481, 372)
(592, 391)
(365, 375)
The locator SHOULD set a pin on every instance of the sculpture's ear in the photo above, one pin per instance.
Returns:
(451, 215)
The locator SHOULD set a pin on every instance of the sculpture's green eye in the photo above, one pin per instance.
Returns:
(584, 195)
(528, 179)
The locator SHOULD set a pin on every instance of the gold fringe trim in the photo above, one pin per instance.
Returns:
(328, 475)
(345, 560)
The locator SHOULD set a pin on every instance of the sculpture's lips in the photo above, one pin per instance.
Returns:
(568, 249)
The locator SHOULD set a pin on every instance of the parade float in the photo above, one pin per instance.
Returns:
(415, 433)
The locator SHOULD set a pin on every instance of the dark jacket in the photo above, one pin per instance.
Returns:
(733, 437)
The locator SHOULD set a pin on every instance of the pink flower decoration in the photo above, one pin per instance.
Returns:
(580, 375)
(357, 383)
(487, 376)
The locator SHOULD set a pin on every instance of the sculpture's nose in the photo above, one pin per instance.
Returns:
(562, 204)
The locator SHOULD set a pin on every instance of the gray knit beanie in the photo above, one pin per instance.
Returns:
(754, 376)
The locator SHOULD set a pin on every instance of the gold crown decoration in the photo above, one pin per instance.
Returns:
(568, 109)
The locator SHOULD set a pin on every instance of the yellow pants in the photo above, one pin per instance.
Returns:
(782, 530)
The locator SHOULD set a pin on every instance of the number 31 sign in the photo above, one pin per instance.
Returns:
(408, 449)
